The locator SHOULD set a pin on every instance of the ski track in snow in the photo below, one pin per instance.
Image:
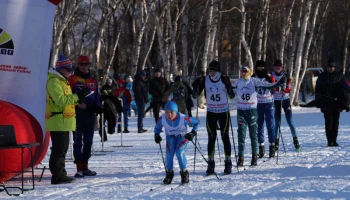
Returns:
(316, 172)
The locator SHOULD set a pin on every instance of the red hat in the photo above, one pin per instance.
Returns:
(83, 59)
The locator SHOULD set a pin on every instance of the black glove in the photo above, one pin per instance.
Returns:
(231, 94)
(194, 95)
(190, 135)
(282, 80)
(157, 138)
(82, 93)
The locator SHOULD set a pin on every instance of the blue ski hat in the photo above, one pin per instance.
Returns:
(170, 105)
(63, 63)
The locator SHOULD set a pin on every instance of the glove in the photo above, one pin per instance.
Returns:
(282, 80)
(190, 135)
(82, 93)
(231, 94)
(157, 138)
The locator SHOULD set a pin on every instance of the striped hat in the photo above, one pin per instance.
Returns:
(63, 63)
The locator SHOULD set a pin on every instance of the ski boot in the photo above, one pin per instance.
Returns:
(184, 177)
(169, 177)
(261, 150)
(240, 161)
(272, 151)
(277, 143)
(296, 144)
(211, 167)
(335, 144)
(254, 160)
(119, 129)
(80, 169)
(228, 167)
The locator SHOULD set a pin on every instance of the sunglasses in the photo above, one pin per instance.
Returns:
(84, 64)
(244, 71)
(277, 68)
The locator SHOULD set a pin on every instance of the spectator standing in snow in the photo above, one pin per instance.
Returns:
(180, 94)
(175, 126)
(157, 88)
(60, 116)
(216, 90)
(140, 89)
(281, 100)
(329, 87)
(247, 111)
(265, 109)
(124, 95)
(84, 134)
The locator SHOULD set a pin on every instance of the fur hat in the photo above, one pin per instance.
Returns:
(260, 63)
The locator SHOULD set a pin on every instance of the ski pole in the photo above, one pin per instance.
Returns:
(326, 96)
(233, 138)
(161, 151)
(195, 143)
(204, 159)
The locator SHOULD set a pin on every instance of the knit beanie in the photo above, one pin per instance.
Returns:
(63, 63)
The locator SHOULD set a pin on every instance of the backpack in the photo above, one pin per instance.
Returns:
(179, 93)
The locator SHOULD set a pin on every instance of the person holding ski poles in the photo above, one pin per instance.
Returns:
(175, 125)
(281, 100)
(217, 88)
(265, 109)
(247, 110)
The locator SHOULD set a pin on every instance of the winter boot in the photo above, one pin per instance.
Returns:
(184, 177)
(169, 177)
(261, 151)
(228, 167)
(254, 160)
(240, 161)
(296, 143)
(86, 170)
(63, 180)
(126, 130)
(272, 150)
(211, 167)
(119, 128)
(277, 143)
(335, 144)
(80, 169)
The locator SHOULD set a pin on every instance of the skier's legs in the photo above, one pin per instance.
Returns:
(270, 121)
(211, 129)
(224, 129)
(170, 151)
(277, 117)
(335, 127)
(288, 112)
(242, 127)
(261, 110)
(253, 129)
(181, 144)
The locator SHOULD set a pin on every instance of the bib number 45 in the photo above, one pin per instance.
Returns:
(215, 97)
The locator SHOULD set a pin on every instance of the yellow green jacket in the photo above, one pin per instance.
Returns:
(60, 104)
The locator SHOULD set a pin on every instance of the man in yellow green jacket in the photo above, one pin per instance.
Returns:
(60, 116)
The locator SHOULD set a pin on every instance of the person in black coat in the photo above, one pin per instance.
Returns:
(189, 102)
(140, 89)
(157, 88)
(327, 93)
(111, 107)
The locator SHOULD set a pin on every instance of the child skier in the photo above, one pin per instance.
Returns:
(175, 125)
(247, 111)
(124, 95)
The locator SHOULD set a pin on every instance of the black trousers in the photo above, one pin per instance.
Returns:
(332, 124)
(156, 104)
(212, 119)
(60, 144)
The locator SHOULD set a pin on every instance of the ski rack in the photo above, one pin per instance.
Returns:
(102, 126)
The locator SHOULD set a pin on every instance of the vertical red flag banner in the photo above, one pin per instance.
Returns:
(25, 41)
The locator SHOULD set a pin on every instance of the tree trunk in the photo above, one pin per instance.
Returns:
(208, 36)
(184, 42)
(243, 41)
(300, 49)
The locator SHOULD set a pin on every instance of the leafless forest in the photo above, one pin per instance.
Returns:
(183, 36)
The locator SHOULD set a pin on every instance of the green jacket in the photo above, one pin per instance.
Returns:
(60, 104)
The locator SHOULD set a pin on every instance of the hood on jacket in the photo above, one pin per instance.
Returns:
(120, 82)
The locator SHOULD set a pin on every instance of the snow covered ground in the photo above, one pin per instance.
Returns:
(317, 172)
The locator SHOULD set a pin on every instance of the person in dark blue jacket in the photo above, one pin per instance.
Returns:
(85, 116)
